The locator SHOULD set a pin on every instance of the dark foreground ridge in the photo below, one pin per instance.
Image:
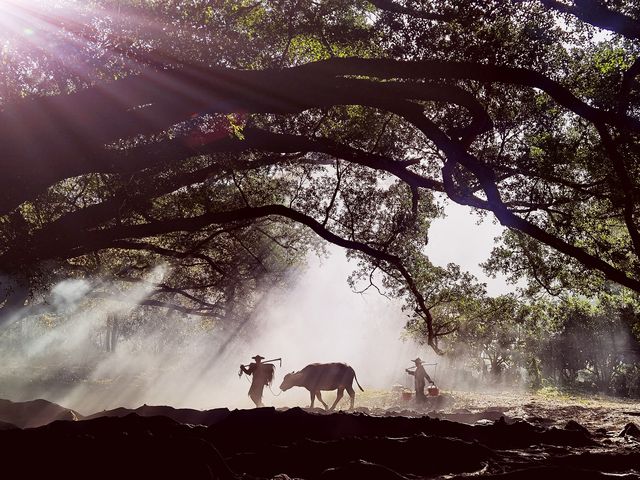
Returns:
(162, 442)
(33, 414)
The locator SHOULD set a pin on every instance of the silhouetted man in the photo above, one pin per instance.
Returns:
(420, 375)
(262, 374)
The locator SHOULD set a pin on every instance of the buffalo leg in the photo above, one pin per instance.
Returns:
(313, 398)
(319, 395)
(338, 398)
(352, 394)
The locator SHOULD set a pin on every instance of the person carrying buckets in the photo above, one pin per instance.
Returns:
(420, 376)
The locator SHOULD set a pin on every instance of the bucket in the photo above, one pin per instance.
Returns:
(433, 391)
(406, 395)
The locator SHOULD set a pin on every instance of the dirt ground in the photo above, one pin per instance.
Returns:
(552, 408)
(547, 407)
(457, 435)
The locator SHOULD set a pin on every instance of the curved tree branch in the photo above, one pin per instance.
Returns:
(73, 144)
(98, 239)
(597, 14)
(456, 153)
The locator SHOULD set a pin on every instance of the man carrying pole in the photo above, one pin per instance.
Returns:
(420, 375)
(262, 373)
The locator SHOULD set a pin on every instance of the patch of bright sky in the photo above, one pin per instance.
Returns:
(457, 238)
(460, 238)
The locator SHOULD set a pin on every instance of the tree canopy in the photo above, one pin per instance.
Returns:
(218, 134)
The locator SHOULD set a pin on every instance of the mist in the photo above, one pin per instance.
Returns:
(181, 361)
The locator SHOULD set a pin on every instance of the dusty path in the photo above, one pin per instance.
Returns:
(477, 435)
(554, 409)
(545, 408)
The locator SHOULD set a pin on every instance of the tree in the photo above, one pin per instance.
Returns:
(592, 341)
(491, 336)
(513, 108)
(451, 297)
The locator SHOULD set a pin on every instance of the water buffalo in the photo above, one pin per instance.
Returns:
(323, 376)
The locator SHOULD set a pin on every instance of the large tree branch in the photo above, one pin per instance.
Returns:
(103, 238)
(389, 68)
(23, 161)
(485, 175)
(597, 14)
(94, 215)
(456, 153)
(47, 139)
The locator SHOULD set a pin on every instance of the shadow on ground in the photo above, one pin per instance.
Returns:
(163, 442)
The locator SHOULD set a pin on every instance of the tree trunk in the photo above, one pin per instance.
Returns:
(111, 333)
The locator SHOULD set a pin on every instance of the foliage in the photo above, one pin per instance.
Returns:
(215, 135)
(575, 343)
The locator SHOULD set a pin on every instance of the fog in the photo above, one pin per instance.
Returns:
(185, 362)
(60, 358)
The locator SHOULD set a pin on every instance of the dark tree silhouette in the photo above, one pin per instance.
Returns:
(497, 105)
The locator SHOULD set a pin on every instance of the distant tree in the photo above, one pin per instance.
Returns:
(493, 338)
(450, 298)
(592, 342)
(112, 331)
